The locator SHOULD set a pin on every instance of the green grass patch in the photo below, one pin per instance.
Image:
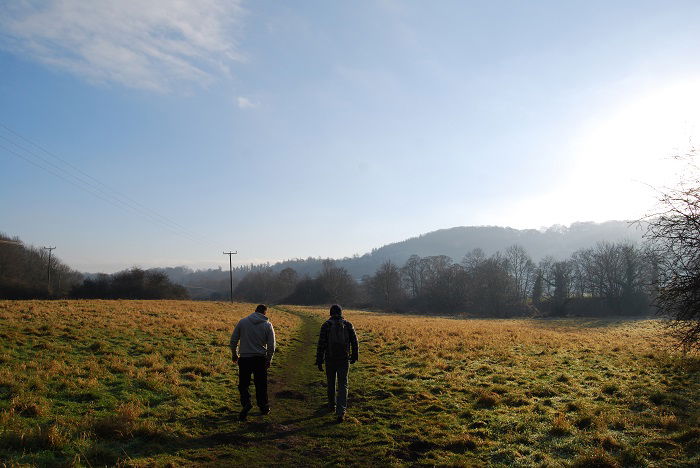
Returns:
(151, 383)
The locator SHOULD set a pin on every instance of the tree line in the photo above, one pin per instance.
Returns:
(129, 284)
(25, 273)
(608, 279)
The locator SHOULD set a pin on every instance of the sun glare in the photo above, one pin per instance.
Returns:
(634, 146)
(620, 159)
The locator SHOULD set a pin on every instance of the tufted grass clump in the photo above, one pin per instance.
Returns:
(560, 426)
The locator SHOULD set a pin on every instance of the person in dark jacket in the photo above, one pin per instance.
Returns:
(337, 347)
(254, 339)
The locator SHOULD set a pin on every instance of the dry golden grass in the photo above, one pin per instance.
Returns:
(88, 382)
(77, 372)
(532, 391)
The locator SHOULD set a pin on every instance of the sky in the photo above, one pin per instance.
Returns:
(163, 133)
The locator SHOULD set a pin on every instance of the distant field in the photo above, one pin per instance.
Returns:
(150, 383)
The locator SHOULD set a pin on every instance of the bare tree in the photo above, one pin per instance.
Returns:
(385, 286)
(553, 285)
(674, 234)
(581, 273)
(284, 284)
(561, 276)
(473, 259)
(521, 267)
(337, 282)
(491, 289)
(537, 287)
(412, 275)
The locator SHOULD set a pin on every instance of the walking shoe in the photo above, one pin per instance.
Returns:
(341, 417)
(244, 412)
(265, 410)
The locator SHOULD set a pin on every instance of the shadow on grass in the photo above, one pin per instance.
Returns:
(243, 434)
(587, 322)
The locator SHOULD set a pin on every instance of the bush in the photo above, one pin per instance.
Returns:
(130, 284)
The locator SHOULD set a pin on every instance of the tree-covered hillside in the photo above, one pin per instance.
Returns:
(558, 242)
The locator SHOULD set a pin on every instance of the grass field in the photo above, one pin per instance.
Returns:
(150, 383)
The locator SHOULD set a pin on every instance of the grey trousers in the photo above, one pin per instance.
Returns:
(340, 370)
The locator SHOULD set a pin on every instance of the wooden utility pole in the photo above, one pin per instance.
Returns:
(48, 270)
(230, 270)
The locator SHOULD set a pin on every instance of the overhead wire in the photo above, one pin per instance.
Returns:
(82, 180)
(105, 191)
(102, 187)
(84, 188)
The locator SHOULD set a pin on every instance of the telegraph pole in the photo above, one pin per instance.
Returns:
(48, 270)
(230, 270)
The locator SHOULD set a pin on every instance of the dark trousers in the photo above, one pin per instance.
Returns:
(256, 366)
(339, 370)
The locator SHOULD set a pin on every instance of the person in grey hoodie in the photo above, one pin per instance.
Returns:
(254, 337)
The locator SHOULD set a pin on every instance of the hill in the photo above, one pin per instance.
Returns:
(556, 241)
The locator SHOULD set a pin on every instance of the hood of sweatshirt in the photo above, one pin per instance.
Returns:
(257, 317)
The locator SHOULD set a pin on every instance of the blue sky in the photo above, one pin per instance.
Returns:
(294, 129)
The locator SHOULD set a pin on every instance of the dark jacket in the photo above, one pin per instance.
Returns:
(322, 348)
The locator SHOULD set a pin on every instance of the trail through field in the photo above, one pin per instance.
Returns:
(291, 434)
(151, 383)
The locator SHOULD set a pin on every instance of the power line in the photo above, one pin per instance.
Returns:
(80, 179)
(92, 192)
(95, 181)
(97, 191)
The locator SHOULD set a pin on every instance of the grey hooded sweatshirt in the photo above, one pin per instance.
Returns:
(256, 337)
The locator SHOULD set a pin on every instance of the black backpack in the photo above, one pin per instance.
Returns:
(337, 340)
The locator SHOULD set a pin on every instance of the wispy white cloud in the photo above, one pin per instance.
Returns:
(154, 45)
(245, 103)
